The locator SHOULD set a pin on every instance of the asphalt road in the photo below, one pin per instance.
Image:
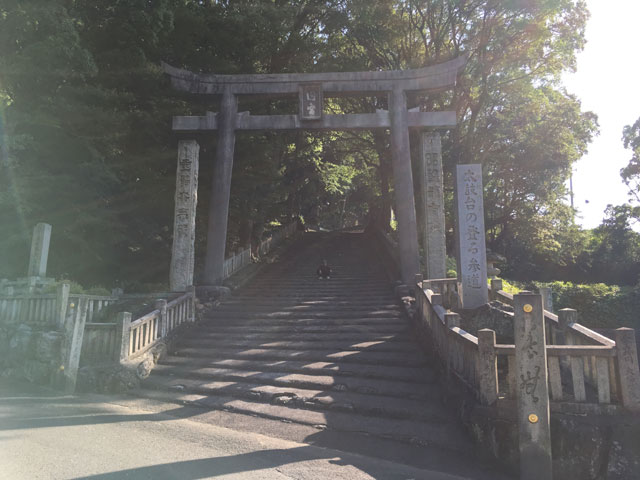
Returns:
(45, 435)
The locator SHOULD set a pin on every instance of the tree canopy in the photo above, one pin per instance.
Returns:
(86, 114)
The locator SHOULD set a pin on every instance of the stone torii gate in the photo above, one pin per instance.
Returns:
(311, 90)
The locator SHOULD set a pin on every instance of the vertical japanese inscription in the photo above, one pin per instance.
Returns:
(532, 391)
(184, 224)
(472, 261)
(434, 225)
(311, 101)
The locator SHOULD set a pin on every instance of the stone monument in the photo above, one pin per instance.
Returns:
(433, 233)
(184, 223)
(472, 254)
(39, 250)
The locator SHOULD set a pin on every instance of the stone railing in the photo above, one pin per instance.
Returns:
(88, 342)
(285, 232)
(586, 371)
(243, 258)
(100, 344)
(458, 351)
(447, 288)
(50, 309)
(236, 262)
(585, 361)
(126, 339)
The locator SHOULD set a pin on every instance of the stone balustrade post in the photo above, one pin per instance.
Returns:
(74, 333)
(123, 323)
(532, 391)
(436, 299)
(192, 303)
(419, 295)
(628, 371)
(451, 320)
(547, 298)
(117, 292)
(62, 302)
(161, 305)
(488, 366)
(566, 317)
(496, 286)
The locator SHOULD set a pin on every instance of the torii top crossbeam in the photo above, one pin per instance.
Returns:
(432, 78)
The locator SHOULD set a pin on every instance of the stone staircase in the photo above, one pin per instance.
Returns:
(328, 362)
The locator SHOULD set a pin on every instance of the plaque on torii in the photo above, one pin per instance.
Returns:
(311, 89)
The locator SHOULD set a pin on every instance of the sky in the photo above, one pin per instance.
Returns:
(607, 82)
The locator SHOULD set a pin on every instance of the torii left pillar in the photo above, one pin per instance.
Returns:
(220, 190)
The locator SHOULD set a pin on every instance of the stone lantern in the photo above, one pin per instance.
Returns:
(492, 258)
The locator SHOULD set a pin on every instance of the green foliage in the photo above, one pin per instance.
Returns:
(599, 305)
(631, 173)
(86, 142)
(509, 287)
(75, 287)
(451, 266)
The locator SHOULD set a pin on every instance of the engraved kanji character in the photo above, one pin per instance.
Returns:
(469, 176)
(473, 266)
(472, 232)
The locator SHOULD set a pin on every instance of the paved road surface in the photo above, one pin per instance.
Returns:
(45, 435)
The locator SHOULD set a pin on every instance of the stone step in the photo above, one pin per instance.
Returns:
(295, 304)
(363, 404)
(366, 329)
(380, 346)
(409, 359)
(360, 299)
(443, 435)
(320, 289)
(339, 383)
(258, 338)
(338, 315)
(292, 308)
(361, 278)
(300, 321)
(415, 375)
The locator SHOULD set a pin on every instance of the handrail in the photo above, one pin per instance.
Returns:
(593, 362)
(145, 317)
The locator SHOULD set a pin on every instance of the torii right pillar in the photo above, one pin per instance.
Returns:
(403, 187)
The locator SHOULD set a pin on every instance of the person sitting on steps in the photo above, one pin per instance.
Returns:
(324, 270)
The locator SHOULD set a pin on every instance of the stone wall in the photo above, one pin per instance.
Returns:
(120, 377)
(584, 447)
(30, 353)
(494, 315)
